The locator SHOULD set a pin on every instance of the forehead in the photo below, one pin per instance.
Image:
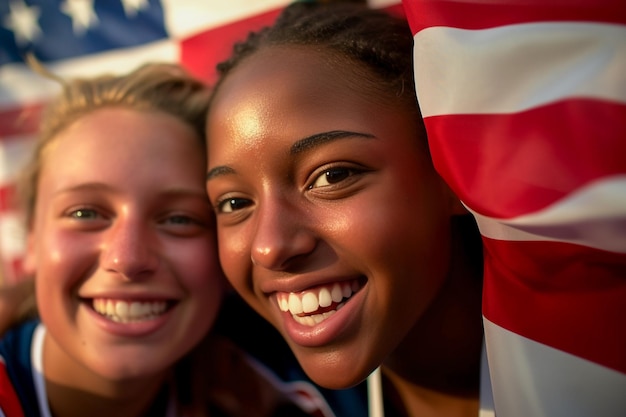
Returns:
(299, 68)
(106, 126)
(119, 139)
(280, 85)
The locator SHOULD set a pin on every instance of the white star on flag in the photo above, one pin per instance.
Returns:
(82, 14)
(132, 7)
(23, 21)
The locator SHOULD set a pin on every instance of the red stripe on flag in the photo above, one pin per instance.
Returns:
(505, 165)
(22, 120)
(201, 53)
(488, 14)
(570, 297)
(13, 269)
(16, 266)
(7, 195)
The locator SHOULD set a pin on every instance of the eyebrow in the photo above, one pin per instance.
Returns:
(219, 171)
(302, 145)
(102, 187)
(319, 139)
(84, 187)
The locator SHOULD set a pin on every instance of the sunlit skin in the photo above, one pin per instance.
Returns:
(379, 221)
(122, 214)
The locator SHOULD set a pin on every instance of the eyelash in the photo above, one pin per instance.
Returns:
(219, 206)
(180, 220)
(327, 173)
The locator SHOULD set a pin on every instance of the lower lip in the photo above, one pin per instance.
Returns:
(330, 329)
(131, 329)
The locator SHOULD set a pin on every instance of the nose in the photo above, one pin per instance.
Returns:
(281, 236)
(128, 249)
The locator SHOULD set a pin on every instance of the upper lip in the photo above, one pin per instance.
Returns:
(297, 283)
(129, 296)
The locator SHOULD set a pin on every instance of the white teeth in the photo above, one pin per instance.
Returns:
(121, 309)
(309, 303)
(306, 320)
(295, 305)
(124, 312)
(283, 304)
(315, 318)
(110, 308)
(346, 290)
(325, 298)
(159, 308)
(336, 293)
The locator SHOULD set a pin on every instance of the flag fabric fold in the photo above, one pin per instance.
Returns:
(525, 107)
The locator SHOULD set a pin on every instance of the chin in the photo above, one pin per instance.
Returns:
(331, 371)
(130, 367)
(127, 374)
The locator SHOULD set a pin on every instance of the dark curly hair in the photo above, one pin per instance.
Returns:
(378, 40)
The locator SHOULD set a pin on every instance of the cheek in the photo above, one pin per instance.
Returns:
(198, 270)
(406, 239)
(62, 258)
(57, 276)
(235, 256)
(198, 264)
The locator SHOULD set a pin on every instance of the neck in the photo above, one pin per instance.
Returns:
(418, 401)
(436, 368)
(74, 390)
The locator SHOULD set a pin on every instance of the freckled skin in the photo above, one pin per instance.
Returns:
(135, 175)
(389, 224)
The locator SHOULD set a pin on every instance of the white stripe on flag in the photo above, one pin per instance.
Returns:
(23, 85)
(14, 153)
(187, 17)
(479, 65)
(532, 379)
(593, 216)
(12, 235)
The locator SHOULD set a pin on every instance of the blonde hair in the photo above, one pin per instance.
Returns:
(163, 87)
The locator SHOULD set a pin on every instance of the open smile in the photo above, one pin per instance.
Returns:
(129, 311)
(313, 306)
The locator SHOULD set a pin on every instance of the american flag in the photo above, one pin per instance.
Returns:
(525, 106)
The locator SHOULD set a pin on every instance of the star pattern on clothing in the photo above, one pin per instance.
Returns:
(82, 14)
(23, 21)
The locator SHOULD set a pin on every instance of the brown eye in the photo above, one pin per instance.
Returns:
(331, 176)
(230, 205)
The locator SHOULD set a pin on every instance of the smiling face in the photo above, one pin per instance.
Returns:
(332, 222)
(123, 245)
